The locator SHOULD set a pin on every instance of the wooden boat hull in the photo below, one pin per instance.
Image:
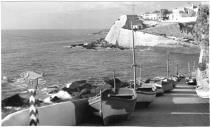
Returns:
(159, 91)
(146, 93)
(145, 96)
(113, 106)
(191, 81)
(167, 85)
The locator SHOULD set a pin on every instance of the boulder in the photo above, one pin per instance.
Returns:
(77, 86)
(118, 83)
(17, 101)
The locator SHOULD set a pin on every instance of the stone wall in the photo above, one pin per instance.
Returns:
(123, 37)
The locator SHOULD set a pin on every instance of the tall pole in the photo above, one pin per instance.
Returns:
(100, 111)
(177, 70)
(194, 66)
(167, 66)
(189, 69)
(134, 59)
(140, 75)
(115, 89)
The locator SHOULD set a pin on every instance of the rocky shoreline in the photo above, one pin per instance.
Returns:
(100, 43)
(54, 94)
(75, 90)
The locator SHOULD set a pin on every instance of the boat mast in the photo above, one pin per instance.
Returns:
(134, 58)
(177, 70)
(140, 75)
(194, 66)
(115, 89)
(189, 69)
(168, 66)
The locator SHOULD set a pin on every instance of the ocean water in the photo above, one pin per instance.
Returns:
(47, 51)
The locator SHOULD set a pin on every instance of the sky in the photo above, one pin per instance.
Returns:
(74, 15)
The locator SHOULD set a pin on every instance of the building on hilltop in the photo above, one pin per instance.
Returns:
(135, 22)
(184, 14)
(151, 16)
(164, 14)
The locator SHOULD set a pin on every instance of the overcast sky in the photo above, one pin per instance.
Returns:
(73, 15)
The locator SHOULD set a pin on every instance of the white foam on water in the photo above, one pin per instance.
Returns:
(63, 95)
(68, 85)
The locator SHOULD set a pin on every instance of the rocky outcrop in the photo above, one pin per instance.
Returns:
(201, 35)
(203, 87)
(17, 101)
(121, 34)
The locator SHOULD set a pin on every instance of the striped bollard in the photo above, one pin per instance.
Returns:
(33, 112)
(34, 121)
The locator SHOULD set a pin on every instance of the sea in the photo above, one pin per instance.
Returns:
(48, 51)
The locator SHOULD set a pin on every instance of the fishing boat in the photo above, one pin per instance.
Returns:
(112, 103)
(146, 92)
(191, 79)
(67, 113)
(159, 89)
(166, 83)
(108, 105)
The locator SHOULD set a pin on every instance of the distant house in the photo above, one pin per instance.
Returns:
(151, 16)
(184, 14)
(164, 14)
(136, 21)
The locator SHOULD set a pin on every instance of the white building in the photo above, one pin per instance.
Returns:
(184, 14)
(151, 16)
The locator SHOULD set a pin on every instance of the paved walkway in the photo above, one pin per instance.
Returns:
(180, 107)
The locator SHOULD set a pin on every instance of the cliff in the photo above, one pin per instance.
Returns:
(121, 34)
(201, 34)
(172, 29)
(202, 76)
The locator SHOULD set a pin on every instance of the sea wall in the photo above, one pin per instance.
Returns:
(123, 37)
(68, 113)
